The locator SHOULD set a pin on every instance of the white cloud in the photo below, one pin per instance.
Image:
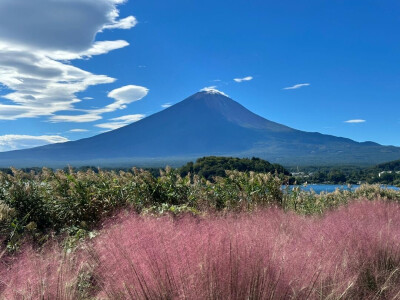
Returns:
(122, 96)
(78, 130)
(166, 105)
(128, 93)
(213, 90)
(41, 86)
(248, 78)
(13, 142)
(355, 121)
(121, 121)
(89, 117)
(36, 38)
(296, 86)
(98, 48)
(125, 23)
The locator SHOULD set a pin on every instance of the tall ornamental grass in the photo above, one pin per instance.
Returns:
(352, 252)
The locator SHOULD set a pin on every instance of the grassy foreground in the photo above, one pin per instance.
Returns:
(350, 253)
(129, 235)
(38, 204)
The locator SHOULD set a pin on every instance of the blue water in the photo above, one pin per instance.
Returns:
(329, 188)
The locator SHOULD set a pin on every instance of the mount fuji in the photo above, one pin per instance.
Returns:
(206, 123)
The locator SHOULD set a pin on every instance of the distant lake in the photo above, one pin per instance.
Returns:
(329, 188)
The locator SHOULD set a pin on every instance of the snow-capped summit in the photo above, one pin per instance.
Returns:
(212, 90)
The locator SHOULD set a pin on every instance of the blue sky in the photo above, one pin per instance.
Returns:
(73, 69)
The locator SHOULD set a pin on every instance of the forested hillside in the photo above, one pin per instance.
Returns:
(211, 166)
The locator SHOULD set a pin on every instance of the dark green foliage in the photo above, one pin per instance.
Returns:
(336, 176)
(25, 196)
(389, 166)
(212, 166)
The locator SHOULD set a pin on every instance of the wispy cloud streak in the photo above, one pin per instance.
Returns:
(355, 121)
(14, 141)
(121, 121)
(248, 78)
(296, 86)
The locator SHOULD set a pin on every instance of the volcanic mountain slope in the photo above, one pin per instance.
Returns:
(207, 123)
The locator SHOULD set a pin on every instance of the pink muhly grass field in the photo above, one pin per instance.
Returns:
(50, 274)
(350, 253)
